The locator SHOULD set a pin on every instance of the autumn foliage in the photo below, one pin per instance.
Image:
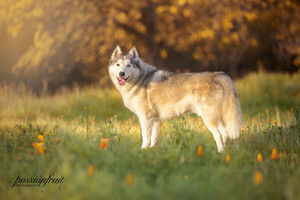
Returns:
(64, 41)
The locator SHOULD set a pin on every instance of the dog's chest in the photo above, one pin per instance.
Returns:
(133, 104)
(136, 103)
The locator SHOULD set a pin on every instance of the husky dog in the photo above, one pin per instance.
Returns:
(155, 95)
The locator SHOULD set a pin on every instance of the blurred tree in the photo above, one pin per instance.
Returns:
(64, 41)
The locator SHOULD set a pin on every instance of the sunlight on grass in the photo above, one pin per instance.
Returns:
(88, 137)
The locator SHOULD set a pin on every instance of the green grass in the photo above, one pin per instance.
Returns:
(73, 123)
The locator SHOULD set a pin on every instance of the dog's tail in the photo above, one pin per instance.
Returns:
(231, 111)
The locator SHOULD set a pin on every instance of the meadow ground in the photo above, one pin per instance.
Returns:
(91, 143)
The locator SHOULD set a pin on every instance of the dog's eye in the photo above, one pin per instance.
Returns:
(118, 64)
(129, 65)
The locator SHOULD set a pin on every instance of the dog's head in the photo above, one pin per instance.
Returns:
(124, 68)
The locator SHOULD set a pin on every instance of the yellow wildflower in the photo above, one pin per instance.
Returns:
(91, 170)
(258, 178)
(227, 158)
(129, 179)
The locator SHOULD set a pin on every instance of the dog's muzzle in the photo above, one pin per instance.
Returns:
(122, 80)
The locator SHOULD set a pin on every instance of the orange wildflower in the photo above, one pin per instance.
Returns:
(41, 138)
(200, 150)
(129, 179)
(41, 150)
(31, 155)
(274, 154)
(258, 178)
(39, 147)
(57, 140)
(104, 142)
(260, 157)
(91, 170)
(228, 159)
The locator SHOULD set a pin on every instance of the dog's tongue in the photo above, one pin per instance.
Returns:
(121, 81)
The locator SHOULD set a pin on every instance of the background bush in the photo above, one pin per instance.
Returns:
(59, 42)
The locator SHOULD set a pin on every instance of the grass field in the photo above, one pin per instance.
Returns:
(90, 142)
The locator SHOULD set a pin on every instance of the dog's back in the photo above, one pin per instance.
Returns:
(211, 95)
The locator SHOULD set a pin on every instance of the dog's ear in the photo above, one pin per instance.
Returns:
(116, 52)
(133, 53)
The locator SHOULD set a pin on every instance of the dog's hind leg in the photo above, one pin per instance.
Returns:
(216, 133)
(223, 132)
(146, 126)
(212, 123)
(154, 135)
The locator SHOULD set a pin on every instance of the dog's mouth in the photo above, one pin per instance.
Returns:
(122, 81)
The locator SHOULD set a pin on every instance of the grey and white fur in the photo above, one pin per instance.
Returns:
(156, 95)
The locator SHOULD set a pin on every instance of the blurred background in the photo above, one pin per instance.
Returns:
(65, 42)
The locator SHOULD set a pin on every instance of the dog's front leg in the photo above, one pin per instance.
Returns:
(154, 135)
(146, 126)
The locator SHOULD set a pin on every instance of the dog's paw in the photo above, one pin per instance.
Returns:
(220, 150)
(145, 146)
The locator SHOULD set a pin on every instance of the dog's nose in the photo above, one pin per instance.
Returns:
(121, 73)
